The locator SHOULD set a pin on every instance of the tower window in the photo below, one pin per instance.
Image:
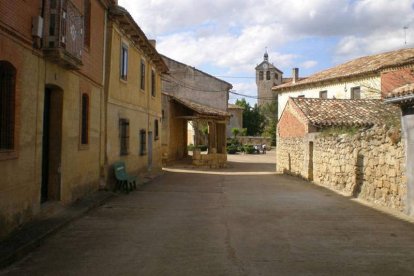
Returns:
(323, 94)
(267, 75)
(276, 76)
(260, 75)
(7, 105)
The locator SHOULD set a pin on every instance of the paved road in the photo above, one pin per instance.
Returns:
(240, 221)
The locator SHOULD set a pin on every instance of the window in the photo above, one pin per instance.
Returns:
(124, 61)
(153, 83)
(276, 76)
(143, 142)
(87, 23)
(85, 120)
(267, 75)
(156, 136)
(356, 92)
(260, 75)
(323, 94)
(7, 105)
(301, 96)
(124, 136)
(142, 74)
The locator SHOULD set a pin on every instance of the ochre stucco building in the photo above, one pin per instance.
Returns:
(133, 97)
(52, 60)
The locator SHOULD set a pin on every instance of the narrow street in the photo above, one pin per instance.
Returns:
(244, 220)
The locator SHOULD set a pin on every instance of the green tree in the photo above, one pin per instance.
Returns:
(269, 111)
(253, 120)
(235, 131)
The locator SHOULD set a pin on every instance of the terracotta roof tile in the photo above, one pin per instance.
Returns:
(345, 112)
(357, 67)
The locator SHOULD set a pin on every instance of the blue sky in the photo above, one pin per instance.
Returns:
(228, 37)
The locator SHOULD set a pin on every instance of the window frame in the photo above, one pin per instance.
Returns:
(87, 23)
(322, 93)
(142, 142)
(123, 136)
(156, 129)
(142, 75)
(123, 73)
(8, 77)
(153, 83)
(356, 89)
(84, 122)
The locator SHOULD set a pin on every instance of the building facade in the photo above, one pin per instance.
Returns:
(52, 82)
(363, 78)
(236, 119)
(132, 96)
(190, 95)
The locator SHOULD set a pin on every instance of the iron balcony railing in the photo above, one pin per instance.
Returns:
(63, 33)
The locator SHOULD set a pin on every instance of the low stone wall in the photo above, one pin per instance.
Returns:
(368, 165)
(255, 140)
(211, 160)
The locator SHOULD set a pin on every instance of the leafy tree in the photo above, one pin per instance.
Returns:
(253, 120)
(235, 131)
(269, 111)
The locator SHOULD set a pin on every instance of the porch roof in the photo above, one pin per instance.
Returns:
(402, 94)
(201, 110)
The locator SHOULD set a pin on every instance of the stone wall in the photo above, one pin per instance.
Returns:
(211, 160)
(255, 140)
(369, 164)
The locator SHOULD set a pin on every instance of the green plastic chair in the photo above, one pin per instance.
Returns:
(125, 181)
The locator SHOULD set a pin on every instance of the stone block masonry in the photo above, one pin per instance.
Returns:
(369, 164)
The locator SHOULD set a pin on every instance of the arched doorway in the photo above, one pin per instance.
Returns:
(52, 143)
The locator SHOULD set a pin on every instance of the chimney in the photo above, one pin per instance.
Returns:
(153, 42)
(295, 75)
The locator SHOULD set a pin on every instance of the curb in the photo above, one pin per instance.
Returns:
(24, 240)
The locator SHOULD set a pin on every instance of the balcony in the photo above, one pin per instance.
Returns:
(63, 34)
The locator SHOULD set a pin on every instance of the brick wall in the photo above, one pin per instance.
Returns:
(291, 123)
(393, 79)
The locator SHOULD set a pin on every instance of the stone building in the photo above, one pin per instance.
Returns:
(350, 146)
(267, 76)
(192, 95)
(132, 97)
(362, 78)
(236, 119)
(52, 60)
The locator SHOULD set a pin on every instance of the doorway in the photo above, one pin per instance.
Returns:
(51, 144)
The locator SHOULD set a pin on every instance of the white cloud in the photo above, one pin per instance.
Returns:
(231, 34)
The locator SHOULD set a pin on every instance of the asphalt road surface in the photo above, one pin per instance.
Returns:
(243, 220)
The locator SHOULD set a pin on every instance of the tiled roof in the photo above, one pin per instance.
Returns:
(345, 112)
(201, 109)
(402, 94)
(356, 67)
